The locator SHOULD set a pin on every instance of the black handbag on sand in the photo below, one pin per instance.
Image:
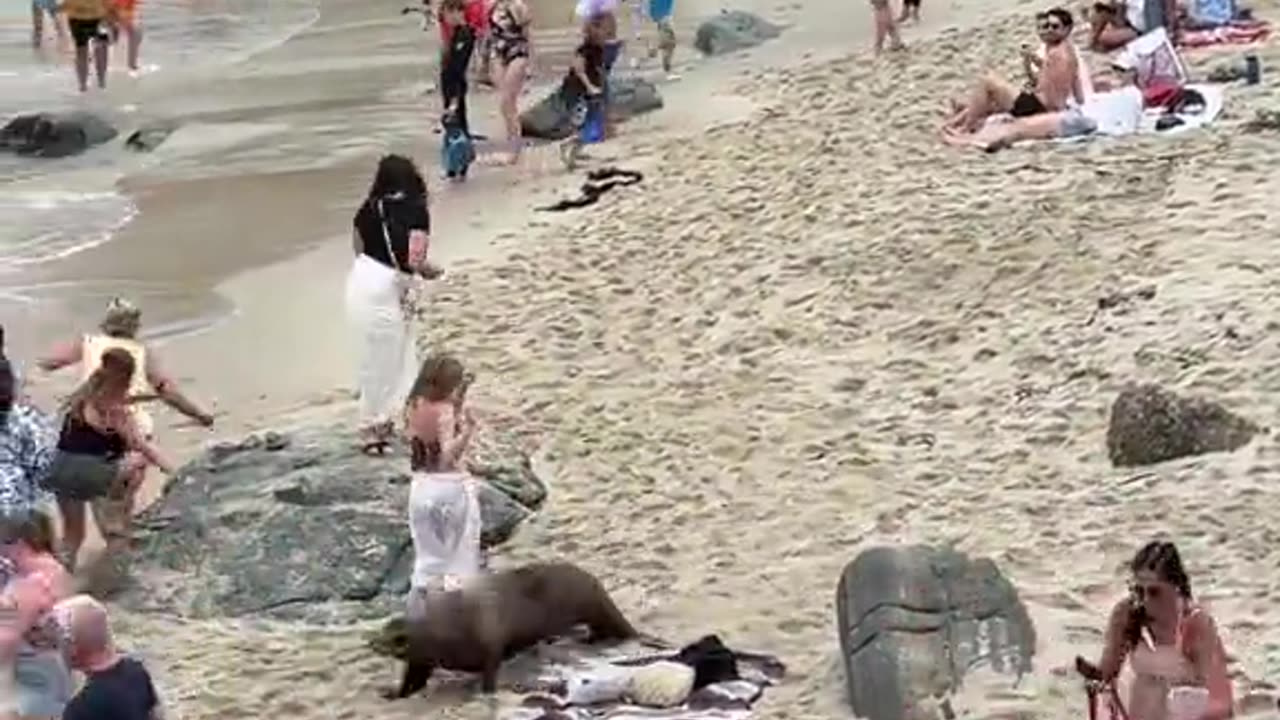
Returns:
(77, 476)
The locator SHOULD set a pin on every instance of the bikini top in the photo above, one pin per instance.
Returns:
(81, 438)
(1165, 662)
(505, 26)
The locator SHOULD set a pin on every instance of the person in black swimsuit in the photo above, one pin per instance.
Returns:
(509, 40)
(453, 66)
(101, 456)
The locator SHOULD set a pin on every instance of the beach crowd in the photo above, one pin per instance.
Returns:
(95, 456)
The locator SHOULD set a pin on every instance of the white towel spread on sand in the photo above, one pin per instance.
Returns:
(384, 336)
(611, 668)
(1214, 99)
(1115, 112)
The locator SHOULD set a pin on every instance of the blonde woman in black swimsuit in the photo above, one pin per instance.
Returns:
(509, 41)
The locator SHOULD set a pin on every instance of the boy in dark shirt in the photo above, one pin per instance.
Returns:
(583, 88)
(118, 687)
(454, 63)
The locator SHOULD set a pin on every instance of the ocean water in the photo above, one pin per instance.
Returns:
(50, 209)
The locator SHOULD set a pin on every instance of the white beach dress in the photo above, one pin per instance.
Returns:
(445, 524)
(383, 332)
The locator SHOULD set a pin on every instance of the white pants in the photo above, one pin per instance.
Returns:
(384, 336)
(445, 523)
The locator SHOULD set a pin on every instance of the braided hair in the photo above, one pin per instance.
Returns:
(1162, 558)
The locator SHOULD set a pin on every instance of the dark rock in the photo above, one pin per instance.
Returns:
(913, 620)
(150, 136)
(733, 30)
(550, 118)
(1151, 425)
(54, 135)
(303, 526)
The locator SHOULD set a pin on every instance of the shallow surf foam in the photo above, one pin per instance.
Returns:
(58, 210)
(44, 225)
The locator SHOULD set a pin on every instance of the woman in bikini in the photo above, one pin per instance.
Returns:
(1172, 645)
(444, 509)
(509, 43)
(31, 638)
(101, 458)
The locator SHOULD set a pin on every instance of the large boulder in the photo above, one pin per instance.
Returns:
(913, 620)
(55, 135)
(733, 30)
(1151, 425)
(550, 118)
(302, 525)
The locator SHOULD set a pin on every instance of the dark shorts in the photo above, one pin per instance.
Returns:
(82, 31)
(1026, 105)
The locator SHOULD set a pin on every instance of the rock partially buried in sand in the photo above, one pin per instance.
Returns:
(733, 30)
(303, 526)
(150, 136)
(913, 620)
(54, 135)
(1151, 425)
(550, 118)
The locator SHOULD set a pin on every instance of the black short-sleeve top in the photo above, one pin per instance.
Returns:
(402, 214)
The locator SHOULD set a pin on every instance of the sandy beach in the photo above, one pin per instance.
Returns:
(813, 328)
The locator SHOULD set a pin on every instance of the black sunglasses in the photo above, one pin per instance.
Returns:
(1146, 592)
(1050, 25)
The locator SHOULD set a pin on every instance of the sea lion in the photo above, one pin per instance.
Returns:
(476, 628)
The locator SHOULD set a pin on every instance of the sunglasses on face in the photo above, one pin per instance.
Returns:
(1048, 26)
(1143, 591)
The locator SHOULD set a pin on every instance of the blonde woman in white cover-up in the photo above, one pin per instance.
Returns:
(444, 509)
(390, 236)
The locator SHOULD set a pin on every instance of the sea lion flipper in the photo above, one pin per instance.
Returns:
(489, 676)
(415, 678)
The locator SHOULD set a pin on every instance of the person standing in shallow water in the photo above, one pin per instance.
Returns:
(390, 237)
(1172, 645)
(41, 9)
(124, 15)
(88, 21)
(886, 27)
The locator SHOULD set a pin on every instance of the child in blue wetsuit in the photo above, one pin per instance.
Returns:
(583, 91)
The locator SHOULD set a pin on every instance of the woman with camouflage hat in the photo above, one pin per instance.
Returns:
(119, 329)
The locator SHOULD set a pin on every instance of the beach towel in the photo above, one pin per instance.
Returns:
(1237, 33)
(1214, 99)
(1211, 13)
(596, 677)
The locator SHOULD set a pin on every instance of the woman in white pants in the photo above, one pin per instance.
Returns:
(390, 238)
(444, 509)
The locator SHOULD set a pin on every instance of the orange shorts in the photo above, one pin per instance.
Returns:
(124, 10)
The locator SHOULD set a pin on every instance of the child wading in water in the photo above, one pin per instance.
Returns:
(583, 89)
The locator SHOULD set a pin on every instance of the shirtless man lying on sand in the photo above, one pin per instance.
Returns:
(1117, 111)
(1052, 81)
